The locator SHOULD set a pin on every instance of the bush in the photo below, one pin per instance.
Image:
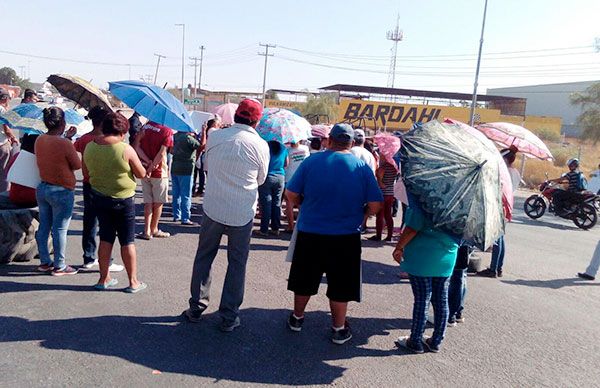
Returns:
(548, 135)
(561, 155)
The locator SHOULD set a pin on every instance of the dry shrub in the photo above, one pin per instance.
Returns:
(535, 171)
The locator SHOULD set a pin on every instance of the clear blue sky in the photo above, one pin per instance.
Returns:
(131, 31)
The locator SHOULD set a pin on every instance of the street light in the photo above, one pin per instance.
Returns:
(474, 102)
(182, 58)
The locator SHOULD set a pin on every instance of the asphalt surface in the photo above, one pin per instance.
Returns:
(536, 326)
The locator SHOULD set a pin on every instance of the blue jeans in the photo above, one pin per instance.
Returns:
(238, 247)
(90, 227)
(425, 290)
(498, 255)
(456, 292)
(182, 196)
(56, 208)
(269, 197)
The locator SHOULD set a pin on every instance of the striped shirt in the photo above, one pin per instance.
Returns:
(575, 181)
(237, 160)
(389, 178)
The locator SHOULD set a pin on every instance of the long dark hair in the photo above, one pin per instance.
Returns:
(275, 147)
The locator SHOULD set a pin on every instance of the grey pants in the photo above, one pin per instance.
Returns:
(4, 157)
(238, 247)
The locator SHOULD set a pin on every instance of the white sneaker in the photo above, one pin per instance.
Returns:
(115, 268)
(90, 265)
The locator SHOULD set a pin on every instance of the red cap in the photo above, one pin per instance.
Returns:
(250, 109)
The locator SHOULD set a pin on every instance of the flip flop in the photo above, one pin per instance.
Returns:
(161, 234)
(111, 283)
(143, 236)
(140, 287)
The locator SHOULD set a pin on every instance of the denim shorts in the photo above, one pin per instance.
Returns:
(116, 217)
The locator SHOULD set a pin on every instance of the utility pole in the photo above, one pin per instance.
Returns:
(129, 66)
(158, 56)
(201, 60)
(146, 78)
(474, 101)
(22, 71)
(396, 35)
(195, 66)
(182, 25)
(266, 55)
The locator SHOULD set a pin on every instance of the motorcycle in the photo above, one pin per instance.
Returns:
(583, 212)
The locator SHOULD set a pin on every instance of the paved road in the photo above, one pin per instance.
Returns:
(537, 326)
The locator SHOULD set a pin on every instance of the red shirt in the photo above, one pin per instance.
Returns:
(154, 137)
(18, 194)
(80, 145)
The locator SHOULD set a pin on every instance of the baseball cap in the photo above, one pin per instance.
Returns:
(342, 132)
(359, 134)
(250, 109)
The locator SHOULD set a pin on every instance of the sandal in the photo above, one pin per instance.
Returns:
(132, 290)
(111, 283)
(143, 236)
(160, 234)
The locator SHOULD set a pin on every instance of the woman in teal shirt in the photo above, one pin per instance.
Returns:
(428, 255)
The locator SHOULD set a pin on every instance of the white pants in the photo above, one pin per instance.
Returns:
(592, 268)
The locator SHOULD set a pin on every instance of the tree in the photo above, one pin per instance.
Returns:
(589, 119)
(319, 107)
(8, 76)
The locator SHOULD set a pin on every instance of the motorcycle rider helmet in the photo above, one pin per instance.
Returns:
(573, 161)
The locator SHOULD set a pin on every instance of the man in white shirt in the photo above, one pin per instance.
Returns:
(7, 139)
(238, 161)
(360, 152)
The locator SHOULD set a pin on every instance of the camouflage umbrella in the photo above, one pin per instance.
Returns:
(79, 90)
(456, 179)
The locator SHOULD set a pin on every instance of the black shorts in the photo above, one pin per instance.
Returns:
(116, 217)
(336, 256)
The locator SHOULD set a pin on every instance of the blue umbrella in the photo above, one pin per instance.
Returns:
(29, 118)
(154, 103)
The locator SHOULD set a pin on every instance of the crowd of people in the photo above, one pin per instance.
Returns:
(336, 183)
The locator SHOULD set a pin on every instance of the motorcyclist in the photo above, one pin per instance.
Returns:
(562, 199)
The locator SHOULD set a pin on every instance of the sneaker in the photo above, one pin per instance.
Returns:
(340, 337)
(582, 275)
(295, 324)
(115, 268)
(176, 219)
(488, 273)
(451, 322)
(459, 318)
(193, 316)
(188, 223)
(45, 268)
(406, 343)
(68, 270)
(429, 346)
(258, 233)
(499, 273)
(229, 326)
(90, 265)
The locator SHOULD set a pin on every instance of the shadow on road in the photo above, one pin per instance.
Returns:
(524, 220)
(262, 350)
(551, 283)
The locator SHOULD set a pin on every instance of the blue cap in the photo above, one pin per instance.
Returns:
(342, 132)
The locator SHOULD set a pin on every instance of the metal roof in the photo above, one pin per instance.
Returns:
(416, 93)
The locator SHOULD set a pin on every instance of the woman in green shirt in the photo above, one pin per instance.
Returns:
(428, 255)
(111, 165)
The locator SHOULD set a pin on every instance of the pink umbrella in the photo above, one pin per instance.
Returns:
(505, 180)
(388, 146)
(320, 130)
(226, 112)
(507, 134)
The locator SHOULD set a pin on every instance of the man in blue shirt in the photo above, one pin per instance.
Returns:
(335, 190)
(563, 199)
